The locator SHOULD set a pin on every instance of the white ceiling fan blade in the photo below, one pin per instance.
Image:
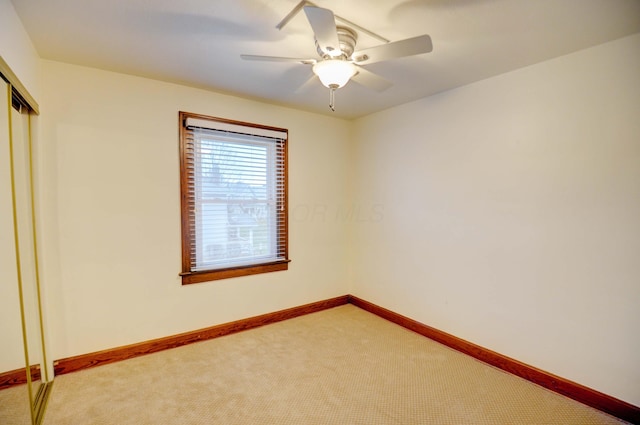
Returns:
(396, 49)
(323, 23)
(371, 80)
(277, 59)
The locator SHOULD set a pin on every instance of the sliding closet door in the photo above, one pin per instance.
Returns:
(14, 401)
(21, 139)
(24, 384)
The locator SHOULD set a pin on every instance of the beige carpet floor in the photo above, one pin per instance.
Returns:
(14, 406)
(339, 366)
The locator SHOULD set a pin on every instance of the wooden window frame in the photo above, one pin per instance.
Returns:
(188, 240)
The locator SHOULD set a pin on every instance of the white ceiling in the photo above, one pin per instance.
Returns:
(199, 42)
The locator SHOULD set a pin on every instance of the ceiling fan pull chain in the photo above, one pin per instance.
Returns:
(332, 98)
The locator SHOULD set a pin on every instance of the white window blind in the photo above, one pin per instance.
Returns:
(236, 194)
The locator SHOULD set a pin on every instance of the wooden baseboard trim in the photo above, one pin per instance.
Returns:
(15, 377)
(86, 361)
(580, 393)
(12, 378)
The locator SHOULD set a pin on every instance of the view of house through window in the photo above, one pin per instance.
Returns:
(234, 199)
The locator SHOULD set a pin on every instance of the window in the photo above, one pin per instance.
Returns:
(233, 197)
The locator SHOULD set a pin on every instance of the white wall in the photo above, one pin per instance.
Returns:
(112, 216)
(17, 50)
(511, 214)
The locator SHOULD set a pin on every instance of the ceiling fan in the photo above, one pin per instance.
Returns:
(340, 61)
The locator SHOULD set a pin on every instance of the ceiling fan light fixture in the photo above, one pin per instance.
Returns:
(334, 72)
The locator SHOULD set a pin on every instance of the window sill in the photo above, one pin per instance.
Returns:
(209, 275)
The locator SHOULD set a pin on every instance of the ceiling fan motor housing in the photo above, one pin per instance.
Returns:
(347, 38)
